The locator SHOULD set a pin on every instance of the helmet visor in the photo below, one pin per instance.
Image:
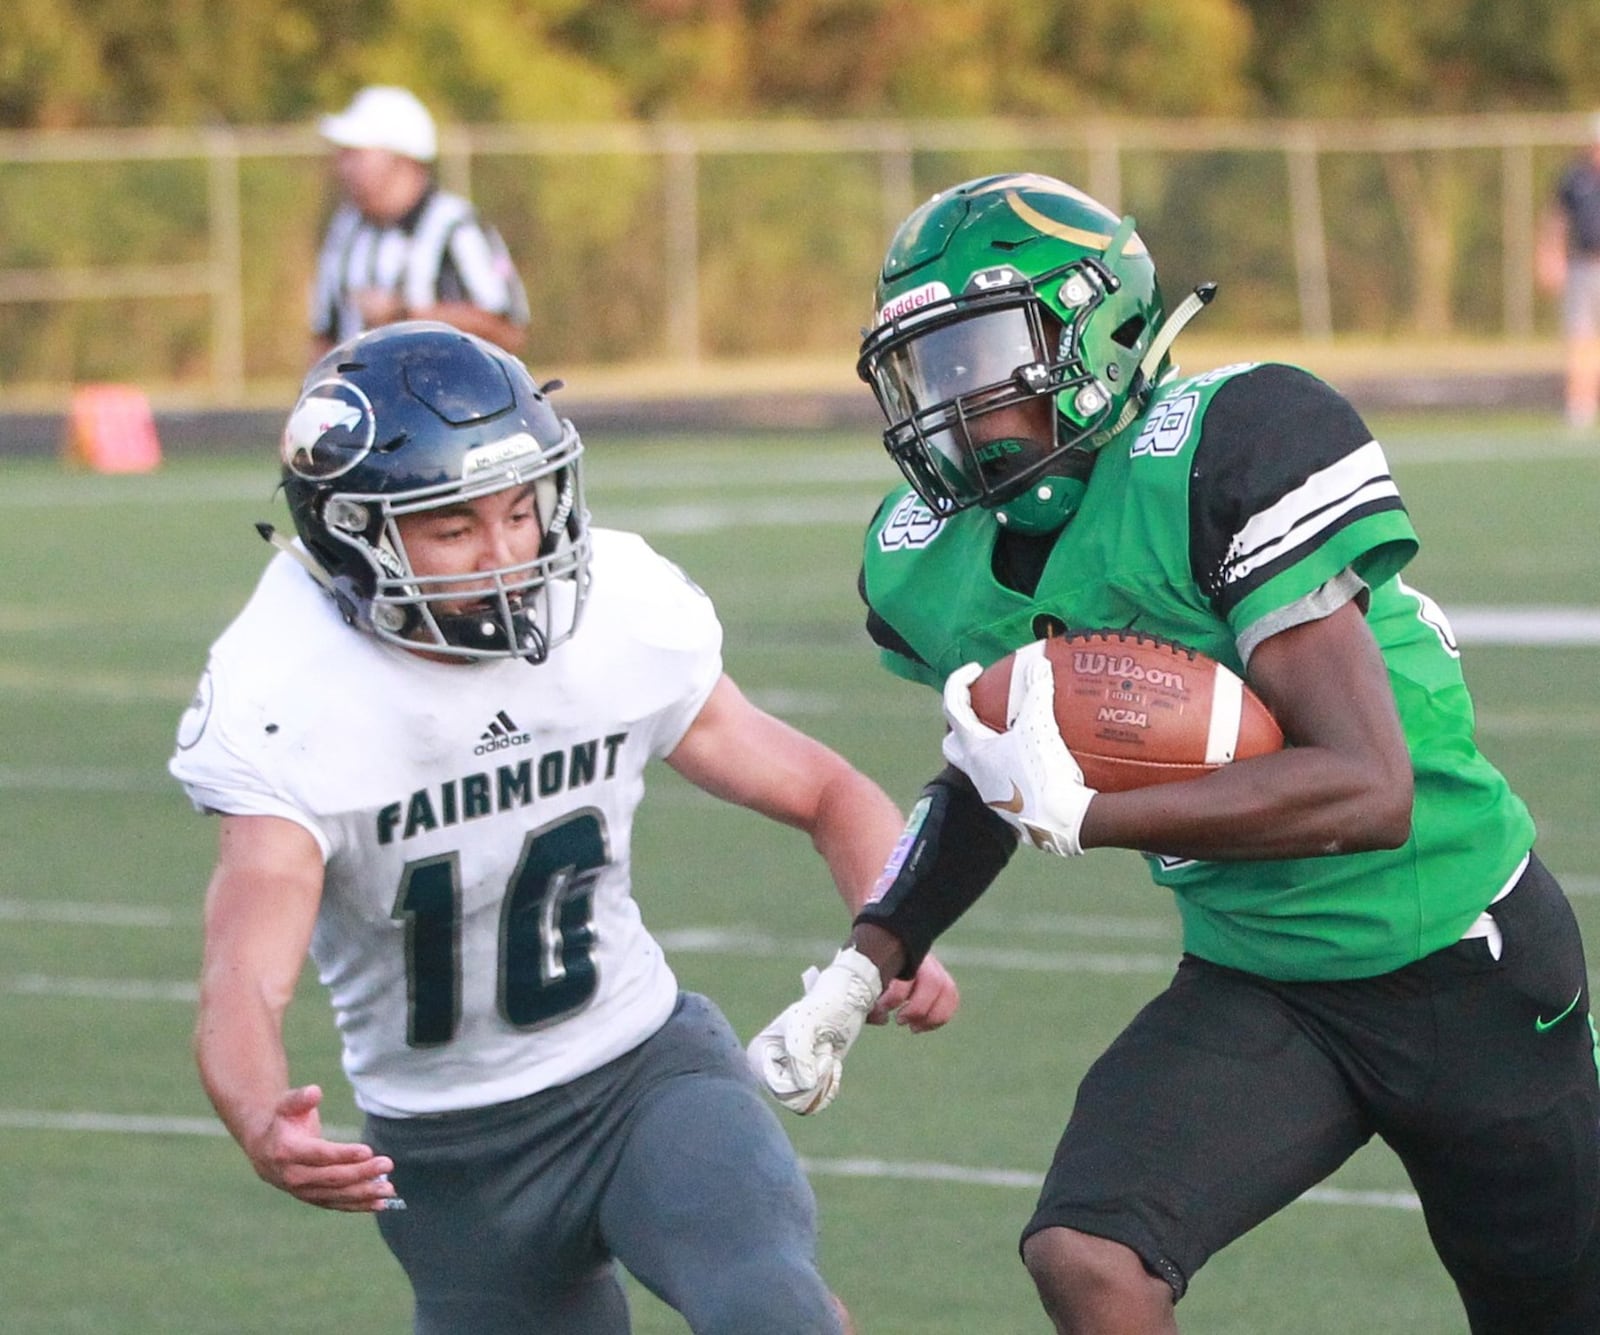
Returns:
(953, 360)
(940, 378)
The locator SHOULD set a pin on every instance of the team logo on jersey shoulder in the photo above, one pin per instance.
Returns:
(910, 524)
(193, 723)
(329, 432)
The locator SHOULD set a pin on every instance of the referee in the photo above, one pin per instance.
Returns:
(400, 248)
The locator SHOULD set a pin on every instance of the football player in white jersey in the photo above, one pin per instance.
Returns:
(426, 737)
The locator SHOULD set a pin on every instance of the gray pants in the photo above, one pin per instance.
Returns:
(1580, 299)
(668, 1160)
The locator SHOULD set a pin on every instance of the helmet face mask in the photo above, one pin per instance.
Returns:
(416, 419)
(1003, 292)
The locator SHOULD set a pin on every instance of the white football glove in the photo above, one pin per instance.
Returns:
(1025, 773)
(799, 1057)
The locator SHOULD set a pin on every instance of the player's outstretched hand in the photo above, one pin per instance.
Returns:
(292, 1155)
(799, 1057)
(928, 1001)
(1025, 773)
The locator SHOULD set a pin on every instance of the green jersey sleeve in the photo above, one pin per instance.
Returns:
(1287, 489)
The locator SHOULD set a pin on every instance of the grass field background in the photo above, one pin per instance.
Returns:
(127, 1211)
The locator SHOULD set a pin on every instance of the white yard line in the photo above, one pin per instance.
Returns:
(58, 681)
(83, 779)
(867, 471)
(99, 989)
(78, 914)
(1526, 625)
(743, 942)
(121, 1124)
(688, 470)
(1474, 625)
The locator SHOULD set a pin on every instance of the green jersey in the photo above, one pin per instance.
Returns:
(1242, 498)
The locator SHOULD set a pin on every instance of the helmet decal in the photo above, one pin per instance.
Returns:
(329, 432)
(1001, 275)
(1062, 232)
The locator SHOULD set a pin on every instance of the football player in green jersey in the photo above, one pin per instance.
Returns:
(1371, 946)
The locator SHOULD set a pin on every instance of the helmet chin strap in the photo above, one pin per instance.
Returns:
(1182, 313)
(304, 558)
(1016, 513)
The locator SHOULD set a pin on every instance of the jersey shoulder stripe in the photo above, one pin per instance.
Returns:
(1283, 469)
(1319, 503)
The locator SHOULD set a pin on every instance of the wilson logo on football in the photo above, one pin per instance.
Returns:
(1092, 663)
(1189, 715)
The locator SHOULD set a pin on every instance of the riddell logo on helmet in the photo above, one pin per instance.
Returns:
(913, 300)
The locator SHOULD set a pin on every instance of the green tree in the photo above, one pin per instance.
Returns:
(1373, 57)
(48, 63)
(1042, 58)
(193, 62)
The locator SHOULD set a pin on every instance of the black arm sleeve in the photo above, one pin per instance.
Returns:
(953, 848)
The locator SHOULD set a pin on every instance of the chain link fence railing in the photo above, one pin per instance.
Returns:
(180, 259)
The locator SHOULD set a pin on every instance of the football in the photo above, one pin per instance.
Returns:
(1136, 710)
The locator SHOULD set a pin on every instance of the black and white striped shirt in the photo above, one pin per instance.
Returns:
(440, 251)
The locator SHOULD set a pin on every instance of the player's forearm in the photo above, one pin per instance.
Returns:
(855, 830)
(244, 1069)
(882, 947)
(950, 852)
(1299, 803)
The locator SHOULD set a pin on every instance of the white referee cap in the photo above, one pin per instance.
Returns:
(384, 117)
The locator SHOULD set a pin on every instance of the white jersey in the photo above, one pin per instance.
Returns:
(477, 932)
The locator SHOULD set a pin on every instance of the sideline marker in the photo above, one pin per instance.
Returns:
(111, 430)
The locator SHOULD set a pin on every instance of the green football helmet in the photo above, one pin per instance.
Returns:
(999, 293)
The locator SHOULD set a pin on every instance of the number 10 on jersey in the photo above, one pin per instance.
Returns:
(546, 932)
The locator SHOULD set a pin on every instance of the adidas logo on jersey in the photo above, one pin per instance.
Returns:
(500, 735)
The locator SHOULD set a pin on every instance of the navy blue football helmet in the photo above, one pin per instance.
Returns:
(412, 417)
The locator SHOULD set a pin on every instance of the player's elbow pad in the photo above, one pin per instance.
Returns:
(952, 850)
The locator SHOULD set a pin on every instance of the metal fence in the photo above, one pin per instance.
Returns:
(181, 257)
